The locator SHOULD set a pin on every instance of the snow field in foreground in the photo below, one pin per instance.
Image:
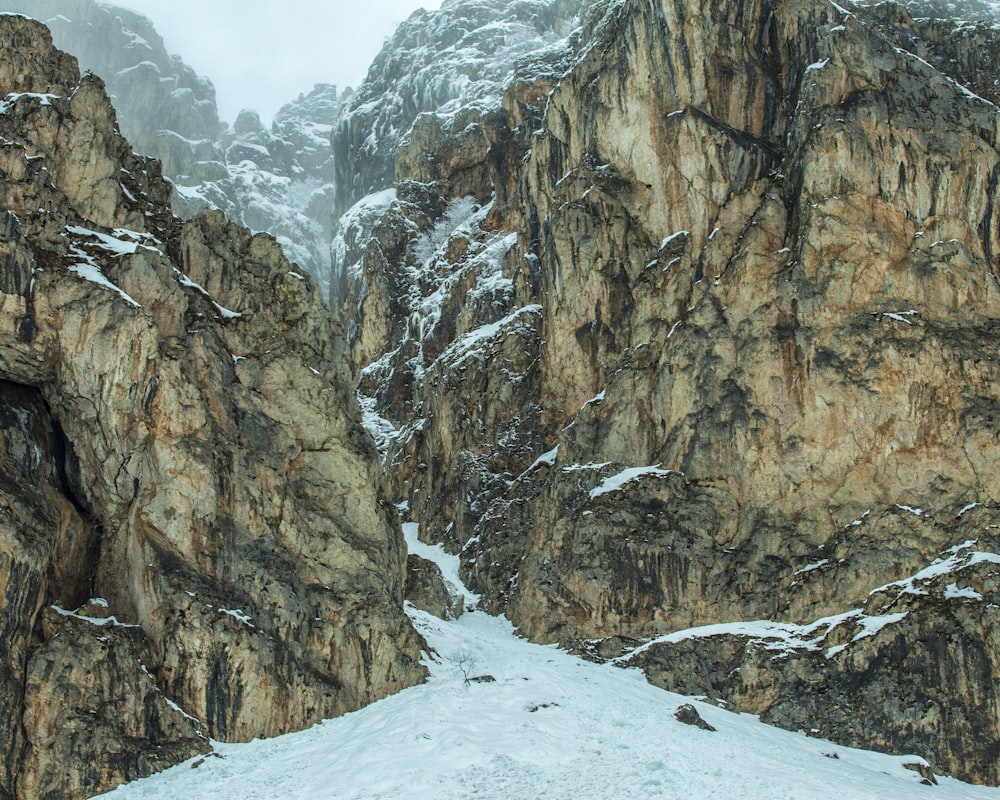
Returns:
(548, 726)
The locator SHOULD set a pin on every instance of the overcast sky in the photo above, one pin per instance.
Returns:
(262, 53)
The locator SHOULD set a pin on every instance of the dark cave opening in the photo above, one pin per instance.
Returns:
(39, 476)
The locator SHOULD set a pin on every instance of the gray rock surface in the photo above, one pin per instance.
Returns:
(427, 590)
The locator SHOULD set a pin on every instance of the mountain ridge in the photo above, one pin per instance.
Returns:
(278, 179)
(191, 513)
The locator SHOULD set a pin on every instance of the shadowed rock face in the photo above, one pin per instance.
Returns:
(910, 671)
(181, 442)
(736, 364)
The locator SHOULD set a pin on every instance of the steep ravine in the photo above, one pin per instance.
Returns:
(193, 538)
(678, 324)
(706, 335)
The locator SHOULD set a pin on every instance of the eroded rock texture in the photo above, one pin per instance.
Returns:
(190, 514)
(706, 334)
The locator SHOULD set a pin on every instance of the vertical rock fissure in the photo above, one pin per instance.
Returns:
(986, 231)
(24, 409)
(33, 467)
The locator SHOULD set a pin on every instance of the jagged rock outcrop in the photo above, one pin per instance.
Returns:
(427, 590)
(885, 676)
(165, 109)
(191, 514)
(735, 365)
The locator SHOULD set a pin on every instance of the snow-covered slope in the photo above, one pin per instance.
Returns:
(502, 718)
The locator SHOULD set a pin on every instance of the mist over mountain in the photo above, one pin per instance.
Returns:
(277, 179)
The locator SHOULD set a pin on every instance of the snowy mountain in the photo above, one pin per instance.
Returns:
(438, 62)
(278, 180)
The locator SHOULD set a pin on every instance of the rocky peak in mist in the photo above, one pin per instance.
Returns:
(308, 123)
(157, 95)
(436, 61)
(277, 179)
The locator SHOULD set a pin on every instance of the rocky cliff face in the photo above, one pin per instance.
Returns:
(702, 335)
(190, 511)
(277, 179)
(424, 264)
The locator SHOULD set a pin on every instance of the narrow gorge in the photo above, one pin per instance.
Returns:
(676, 321)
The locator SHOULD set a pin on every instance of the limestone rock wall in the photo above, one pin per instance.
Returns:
(740, 364)
(207, 478)
(793, 279)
